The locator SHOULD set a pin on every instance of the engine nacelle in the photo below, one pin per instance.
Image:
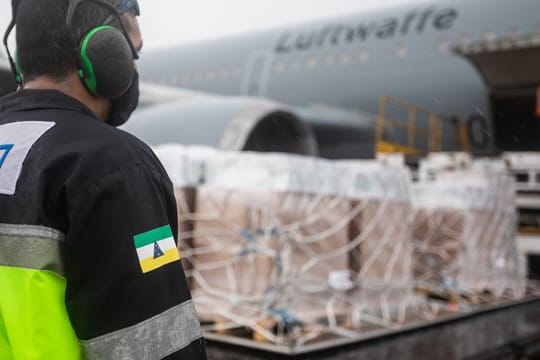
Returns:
(341, 134)
(227, 123)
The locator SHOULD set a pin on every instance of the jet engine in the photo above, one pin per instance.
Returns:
(227, 123)
(341, 134)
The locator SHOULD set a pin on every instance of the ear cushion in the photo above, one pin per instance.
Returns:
(107, 65)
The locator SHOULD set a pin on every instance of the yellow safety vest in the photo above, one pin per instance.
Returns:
(34, 324)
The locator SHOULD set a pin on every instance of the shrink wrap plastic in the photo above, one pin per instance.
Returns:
(296, 239)
(272, 241)
(465, 229)
(186, 169)
(273, 230)
(381, 240)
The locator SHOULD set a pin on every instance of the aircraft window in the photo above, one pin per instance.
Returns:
(312, 62)
(445, 45)
(427, 53)
(296, 65)
(280, 67)
(402, 51)
(224, 74)
(329, 60)
(345, 59)
(186, 78)
(465, 39)
(363, 56)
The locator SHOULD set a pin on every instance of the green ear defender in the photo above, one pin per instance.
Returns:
(106, 63)
(18, 73)
(14, 64)
(106, 54)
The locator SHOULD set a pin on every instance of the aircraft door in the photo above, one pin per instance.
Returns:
(256, 74)
(511, 70)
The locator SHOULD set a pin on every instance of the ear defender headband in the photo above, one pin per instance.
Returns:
(13, 64)
(105, 53)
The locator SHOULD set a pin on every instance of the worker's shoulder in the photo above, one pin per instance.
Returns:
(76, 151)
(91, 154)
(94, 141)
(61, 144)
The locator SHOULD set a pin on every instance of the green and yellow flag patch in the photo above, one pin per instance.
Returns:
(156, 248)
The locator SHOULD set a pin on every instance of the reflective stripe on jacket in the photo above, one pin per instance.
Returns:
(34, 323)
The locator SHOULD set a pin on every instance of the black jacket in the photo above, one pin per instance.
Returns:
(63, 169)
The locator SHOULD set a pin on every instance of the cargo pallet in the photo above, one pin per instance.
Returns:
(525, 168)
(485, 332)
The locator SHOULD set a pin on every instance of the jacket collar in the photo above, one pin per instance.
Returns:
(26, 100)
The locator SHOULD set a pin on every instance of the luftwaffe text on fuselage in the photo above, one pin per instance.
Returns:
(342, 34)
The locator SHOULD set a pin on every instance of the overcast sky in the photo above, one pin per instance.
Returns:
(191, 21)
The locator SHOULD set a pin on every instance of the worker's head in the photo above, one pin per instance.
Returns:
(59, 38)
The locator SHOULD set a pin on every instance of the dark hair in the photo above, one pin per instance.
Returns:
(45, 45)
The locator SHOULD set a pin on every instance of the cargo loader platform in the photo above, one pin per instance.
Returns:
(502, 331)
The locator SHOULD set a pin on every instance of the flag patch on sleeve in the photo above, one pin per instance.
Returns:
(156, 248)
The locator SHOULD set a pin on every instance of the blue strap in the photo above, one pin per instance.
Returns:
(127, 5)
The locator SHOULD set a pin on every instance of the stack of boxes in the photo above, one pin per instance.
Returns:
(465, 222)
(380, 239)
(335, 244)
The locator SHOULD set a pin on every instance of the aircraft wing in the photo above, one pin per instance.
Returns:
(153, 94)
(172, 115)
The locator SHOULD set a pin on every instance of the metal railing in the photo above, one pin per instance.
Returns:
(433, 135)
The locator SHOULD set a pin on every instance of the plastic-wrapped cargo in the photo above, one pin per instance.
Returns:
(440, 233)
(293, 239)
(465, 225)
(269, 228)
(381, 239)
(186, 169)
(492, 263)
(299, 249)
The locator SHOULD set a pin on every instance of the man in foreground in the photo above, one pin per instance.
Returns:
(88, 261)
